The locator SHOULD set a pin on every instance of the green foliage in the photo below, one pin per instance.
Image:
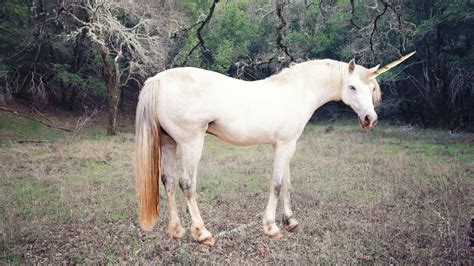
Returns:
(189, 43)
(96, 84)
(66, 76)
(224, 56)
(14, 15)
(242, 30)
(232, 35)
(195, 9)
(5, 67)
(314, 35)
(458, 11)
(92, 84)
(16, 11)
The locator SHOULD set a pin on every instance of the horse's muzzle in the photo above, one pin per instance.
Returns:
(369, 121)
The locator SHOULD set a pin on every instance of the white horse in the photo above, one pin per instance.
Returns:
(178, 107)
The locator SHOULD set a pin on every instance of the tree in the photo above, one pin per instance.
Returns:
(130, 47)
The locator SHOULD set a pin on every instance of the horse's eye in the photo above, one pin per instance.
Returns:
(352, 88)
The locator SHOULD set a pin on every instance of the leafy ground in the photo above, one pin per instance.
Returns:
(393, 195)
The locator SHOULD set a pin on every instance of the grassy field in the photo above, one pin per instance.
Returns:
(392, 195)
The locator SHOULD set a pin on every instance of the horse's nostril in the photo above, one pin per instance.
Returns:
(367, 119)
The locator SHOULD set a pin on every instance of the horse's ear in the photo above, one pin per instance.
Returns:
(373, 72)
(352, 65)
(375, 68)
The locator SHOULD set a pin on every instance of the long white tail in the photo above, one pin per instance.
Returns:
(148, 155)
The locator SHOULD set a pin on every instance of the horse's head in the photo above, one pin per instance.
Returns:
(362, 92)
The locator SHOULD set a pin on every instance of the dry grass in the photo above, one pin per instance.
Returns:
(394, 195)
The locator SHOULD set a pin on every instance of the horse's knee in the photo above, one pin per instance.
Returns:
(277, 185)
(168, 182)
(186, 186)
(277, 189)
(185, 183)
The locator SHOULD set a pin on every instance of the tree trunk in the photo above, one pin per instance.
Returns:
(113, 92)
(72, 99)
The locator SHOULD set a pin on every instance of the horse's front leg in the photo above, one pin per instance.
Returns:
(291, 224)
(283, 152)
(191, 154)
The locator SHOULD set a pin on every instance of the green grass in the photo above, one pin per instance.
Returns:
(437, 143)
(391, 195)
(26, 193)
(10, 258)
(427, 147)
(13, 128)
(111, 256)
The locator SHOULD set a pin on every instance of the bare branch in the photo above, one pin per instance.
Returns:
(199, 32)
(375, 25)
(379, 16)
(279, 9)
(353, 14)
(184, 29)
(400, 28)
(320, 5)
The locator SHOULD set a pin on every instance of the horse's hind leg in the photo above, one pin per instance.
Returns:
(168, 148)
(191, 154)
(283, 152)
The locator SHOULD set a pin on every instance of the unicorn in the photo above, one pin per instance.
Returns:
(178, 107)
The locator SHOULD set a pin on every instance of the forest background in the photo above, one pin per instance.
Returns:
(91, 57)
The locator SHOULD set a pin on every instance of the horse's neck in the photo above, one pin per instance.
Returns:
(320, 82)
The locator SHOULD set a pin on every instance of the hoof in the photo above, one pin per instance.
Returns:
(271, 229)
(210, 241)
(176, 231)
(293, 226)
(277, 234)
(203, 236)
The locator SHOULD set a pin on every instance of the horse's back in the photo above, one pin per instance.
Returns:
(195, 78)
(201, 91)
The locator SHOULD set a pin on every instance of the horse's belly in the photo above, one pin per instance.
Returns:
(250, 132)
(239, 135)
